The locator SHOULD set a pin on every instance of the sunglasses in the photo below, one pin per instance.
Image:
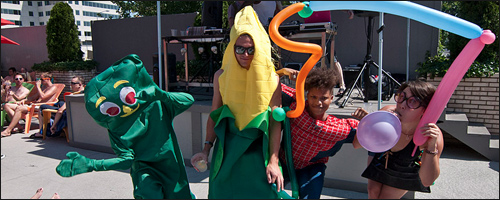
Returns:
(74, 83)
(18, 79)
(412, 102)
(45, 78)
(241, 50)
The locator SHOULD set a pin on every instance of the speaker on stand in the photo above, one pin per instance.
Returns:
(211, 14)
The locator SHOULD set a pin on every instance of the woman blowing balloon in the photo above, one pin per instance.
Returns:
(393, 173)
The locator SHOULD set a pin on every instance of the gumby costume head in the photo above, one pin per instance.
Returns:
(247, 93)
(116, 97)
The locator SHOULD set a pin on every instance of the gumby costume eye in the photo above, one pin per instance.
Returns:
(127, 95)
(109, 108)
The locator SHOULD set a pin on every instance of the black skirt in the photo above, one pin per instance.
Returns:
(400, 173)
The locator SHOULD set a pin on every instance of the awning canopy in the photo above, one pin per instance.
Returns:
(4, 39)
(8, 41)
(7, 22)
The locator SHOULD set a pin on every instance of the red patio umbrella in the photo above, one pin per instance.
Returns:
(7, 22)
(4, 39)
(8, 41)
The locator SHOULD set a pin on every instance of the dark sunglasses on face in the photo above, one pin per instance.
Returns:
(241, 50)
(19, 79)
(412, 102)
(73, 83)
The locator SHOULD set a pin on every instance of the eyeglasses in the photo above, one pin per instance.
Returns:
(241, 50)
(45, 78)
(412, 102)
(73, 83)
(18, 79)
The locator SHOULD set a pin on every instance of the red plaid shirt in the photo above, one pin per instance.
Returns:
(311, 136)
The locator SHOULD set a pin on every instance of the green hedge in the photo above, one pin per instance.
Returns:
(47, 66)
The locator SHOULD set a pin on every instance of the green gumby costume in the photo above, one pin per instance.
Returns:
(138, 116)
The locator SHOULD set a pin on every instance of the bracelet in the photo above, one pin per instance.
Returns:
(430, 152)
(210, 143)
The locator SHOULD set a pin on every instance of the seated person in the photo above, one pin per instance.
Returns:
(60, 117)
(15, 93)
(26, 74)
(10, 77)
(19, 108)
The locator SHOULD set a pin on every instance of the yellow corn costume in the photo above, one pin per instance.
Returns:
(241, 153)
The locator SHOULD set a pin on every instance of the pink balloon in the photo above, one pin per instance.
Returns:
(379, 131)
(450, 82)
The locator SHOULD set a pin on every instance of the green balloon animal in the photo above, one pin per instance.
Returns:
(138, 115)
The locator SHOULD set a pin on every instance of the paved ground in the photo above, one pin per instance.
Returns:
(30, 164)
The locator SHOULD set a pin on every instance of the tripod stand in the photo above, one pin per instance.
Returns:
(366, 64)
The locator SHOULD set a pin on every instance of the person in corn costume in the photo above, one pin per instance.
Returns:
(138, 116)
(245, 160)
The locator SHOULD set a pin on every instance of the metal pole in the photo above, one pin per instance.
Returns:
(160, 66)
(380, 55)
(407, 49)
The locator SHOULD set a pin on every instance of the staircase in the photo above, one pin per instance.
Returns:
(474, 135)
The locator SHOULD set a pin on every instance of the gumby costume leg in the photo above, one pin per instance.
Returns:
(138, 116)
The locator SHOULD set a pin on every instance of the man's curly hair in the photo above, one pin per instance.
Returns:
(321, 78)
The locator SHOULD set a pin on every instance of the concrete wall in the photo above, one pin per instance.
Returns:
(114, 39)
(32, 48)
(85, 133)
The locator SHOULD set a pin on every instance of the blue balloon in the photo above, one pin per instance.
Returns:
(409, 10)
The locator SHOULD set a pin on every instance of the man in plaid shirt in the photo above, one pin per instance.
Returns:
(316, 136)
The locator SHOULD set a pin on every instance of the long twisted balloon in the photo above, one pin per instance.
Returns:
(300, 47)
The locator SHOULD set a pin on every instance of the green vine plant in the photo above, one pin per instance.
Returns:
(438, 65)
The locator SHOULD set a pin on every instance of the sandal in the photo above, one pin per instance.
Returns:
(340, 92)
(33, 136)
(17, 130)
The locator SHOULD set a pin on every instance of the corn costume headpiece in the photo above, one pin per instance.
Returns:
(247, 93)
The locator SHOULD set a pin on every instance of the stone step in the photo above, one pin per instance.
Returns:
(473, 135)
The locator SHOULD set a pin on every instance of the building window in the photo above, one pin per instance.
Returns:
(47, 13)
(32, 23)
(40, 3)
(47, 3)
(12, 2)
(70, 2)
(99, 5)
(78, 23)
(10, 11)
(86, 23)
(79, 33)
(31, 13)
(41, 23)
(40, 14)
(77, 12)
(19, 23)
(30, 3)
(88, 33)
(76, 2)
